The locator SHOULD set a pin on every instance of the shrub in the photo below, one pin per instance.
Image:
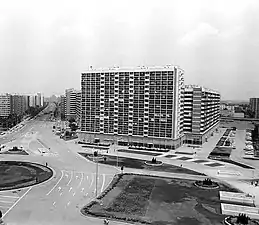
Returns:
(242, 219)
(207, 181)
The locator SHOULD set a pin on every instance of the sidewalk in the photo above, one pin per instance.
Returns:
(234, 180)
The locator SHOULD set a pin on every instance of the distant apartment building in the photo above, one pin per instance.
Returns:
(62, 106)
(138, 106)
(70, 107)
(38, 100)
(26, 102)
(32, 101)
(17, 104)
(5, 105)
(201, 113)
(254, 107)
(78, 107)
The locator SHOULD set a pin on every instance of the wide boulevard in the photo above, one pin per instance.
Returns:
(59, 200)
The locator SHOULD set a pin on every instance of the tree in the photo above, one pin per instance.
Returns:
(72, 120)
(73, 126)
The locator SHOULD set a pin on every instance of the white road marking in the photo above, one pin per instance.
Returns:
(86, 194)
(82, 189)
(91, 181)
(81, 180)
(74, 194)
(61, 193)
(62, 174)
(103, 183)
(70, 189)
(76, 177)
(59, 188)
(68, 203)
(54, 203)
(66, 175)
(8, 196)
(6, 202)
(16, 202)
(70, 179)
(86, 177)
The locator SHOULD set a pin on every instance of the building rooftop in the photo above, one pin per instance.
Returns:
(138, 68)
(191, 86)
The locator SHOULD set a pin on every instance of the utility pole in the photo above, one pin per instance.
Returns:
(96, 181)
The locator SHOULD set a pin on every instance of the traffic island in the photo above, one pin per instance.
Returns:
(15, 151)
(241, 219)
(140, 164)
(154, 162)
(207, 183)
(18, 174)
(147, 199)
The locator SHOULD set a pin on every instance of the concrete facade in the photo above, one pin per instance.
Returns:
(143, 106)
(5, 105)
(201, 113)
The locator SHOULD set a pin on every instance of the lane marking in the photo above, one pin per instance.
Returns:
(61, 193)
(70, 189)
(7, 196)
(54, 203)
(74, 194)
(62, 174)
(103, 183)
(81, 180)
(70, 178)
(82, 189)
(7, 202)
(91, 181)
(16, 202)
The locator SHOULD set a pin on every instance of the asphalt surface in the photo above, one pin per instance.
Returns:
(59, 200)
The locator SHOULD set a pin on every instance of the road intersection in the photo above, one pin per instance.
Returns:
(59, 200)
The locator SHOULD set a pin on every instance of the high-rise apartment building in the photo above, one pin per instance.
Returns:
(201, 113)
(62, 106)
(17, 104)
(254, 106)
(32, 102)
(5, 105)
(38, 100)
(139, 106)
(70, 107)
(78, 107)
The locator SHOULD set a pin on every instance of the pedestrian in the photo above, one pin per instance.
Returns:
(46, 164)
(252, 183)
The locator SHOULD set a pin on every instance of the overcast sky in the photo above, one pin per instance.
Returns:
(45, 45)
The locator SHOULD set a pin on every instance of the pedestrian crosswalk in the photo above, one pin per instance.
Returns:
(7, 200)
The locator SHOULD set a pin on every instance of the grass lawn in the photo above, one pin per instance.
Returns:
(22, 174)
(157, 200)
(200, 161)
(171, 156)
(140, 164)
(184, 158)
(139, 152)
